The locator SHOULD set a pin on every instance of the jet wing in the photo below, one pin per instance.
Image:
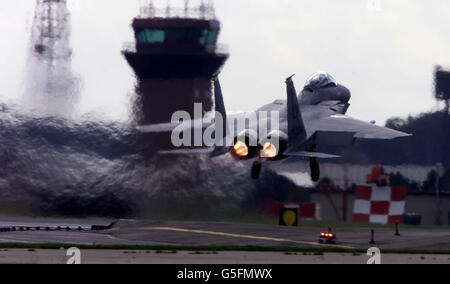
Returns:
(312, 155)
(169, 127)
(187, 151)
(358, 128)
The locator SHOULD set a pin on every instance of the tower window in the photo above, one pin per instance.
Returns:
(209, 37)
(188, 36)
(151, 36)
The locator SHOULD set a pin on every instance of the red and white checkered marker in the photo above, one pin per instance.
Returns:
(379, 204)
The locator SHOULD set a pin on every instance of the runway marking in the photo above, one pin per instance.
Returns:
(242, 236)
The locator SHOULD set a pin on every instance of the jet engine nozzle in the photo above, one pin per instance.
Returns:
(274, 145)
(245, 145)
(241, 149)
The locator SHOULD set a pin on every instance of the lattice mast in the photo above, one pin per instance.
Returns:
(51, 31)
(50, 84)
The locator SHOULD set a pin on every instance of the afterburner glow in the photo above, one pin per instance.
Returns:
(241, 149)
(269, 150)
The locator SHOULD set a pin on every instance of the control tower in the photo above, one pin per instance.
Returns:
(174, 57)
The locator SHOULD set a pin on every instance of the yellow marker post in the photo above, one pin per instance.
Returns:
(288, 217)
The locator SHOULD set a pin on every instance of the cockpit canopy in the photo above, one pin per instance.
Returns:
(320, 80)
(322, 87)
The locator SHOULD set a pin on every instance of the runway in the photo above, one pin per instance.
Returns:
(177, 233)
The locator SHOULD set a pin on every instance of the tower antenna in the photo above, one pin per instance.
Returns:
(211, 9)
(186, 8)
(151, 9)
(202, 9)
(168, 9)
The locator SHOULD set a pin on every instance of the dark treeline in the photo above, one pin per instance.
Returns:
(429, 145)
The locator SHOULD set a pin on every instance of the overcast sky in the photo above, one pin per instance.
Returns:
(385, 54)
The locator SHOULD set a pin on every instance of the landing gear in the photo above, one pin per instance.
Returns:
(256, 169)
(315, 169)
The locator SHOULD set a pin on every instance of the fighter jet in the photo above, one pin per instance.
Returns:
(305, 122)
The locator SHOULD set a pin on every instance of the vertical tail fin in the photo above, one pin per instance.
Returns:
(220, 109)
(296, 128)
(220, 105)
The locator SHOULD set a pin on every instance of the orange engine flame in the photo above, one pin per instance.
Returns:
(269, 150)
(240, 149)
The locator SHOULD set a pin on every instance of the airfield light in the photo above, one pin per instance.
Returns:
(328, 238)
(269, 150)
(240, 149)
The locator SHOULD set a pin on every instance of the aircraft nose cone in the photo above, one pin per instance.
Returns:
(344, 93)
